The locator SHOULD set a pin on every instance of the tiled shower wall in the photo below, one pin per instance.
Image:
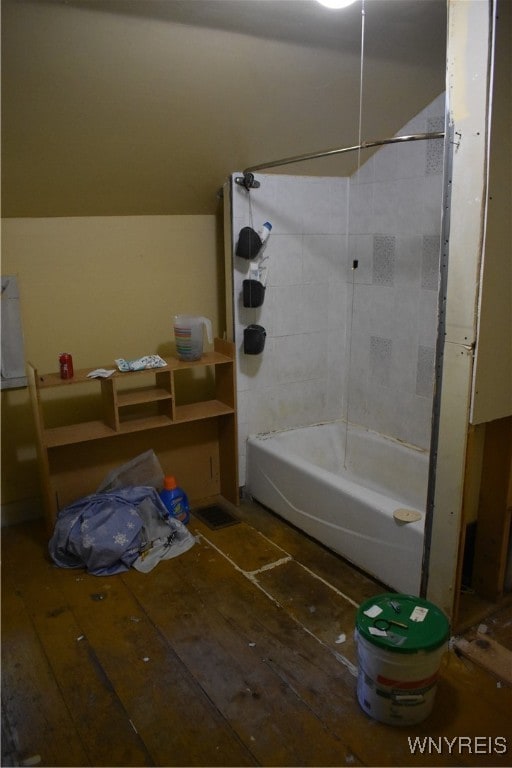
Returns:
(346, 341)
(394, 233)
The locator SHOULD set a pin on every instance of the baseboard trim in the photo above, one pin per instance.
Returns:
(20, 511)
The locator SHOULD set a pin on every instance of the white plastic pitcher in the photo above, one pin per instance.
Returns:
(188, 334)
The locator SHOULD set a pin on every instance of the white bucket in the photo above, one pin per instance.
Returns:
(393, 686)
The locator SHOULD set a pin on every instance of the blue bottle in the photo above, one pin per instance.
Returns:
(175, 500)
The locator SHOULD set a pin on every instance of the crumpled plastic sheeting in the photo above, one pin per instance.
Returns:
(141, 363)
(106, 533)
(144, 469)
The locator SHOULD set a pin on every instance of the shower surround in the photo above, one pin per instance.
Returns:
(350, 308)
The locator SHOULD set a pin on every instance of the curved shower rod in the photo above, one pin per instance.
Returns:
(247, 182)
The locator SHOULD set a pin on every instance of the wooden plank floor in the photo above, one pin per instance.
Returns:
(239, 652)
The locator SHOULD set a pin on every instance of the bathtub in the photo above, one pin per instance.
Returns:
(348, 504)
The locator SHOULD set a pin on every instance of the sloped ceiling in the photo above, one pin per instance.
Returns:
(125, 107)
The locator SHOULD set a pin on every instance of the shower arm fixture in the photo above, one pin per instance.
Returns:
(247, 180)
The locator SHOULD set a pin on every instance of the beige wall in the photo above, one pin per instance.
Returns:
(119, 113)
(100, 288)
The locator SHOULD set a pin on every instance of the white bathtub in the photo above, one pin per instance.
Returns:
(347, 505)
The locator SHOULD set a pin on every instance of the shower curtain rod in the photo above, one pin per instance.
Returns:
(338, 151)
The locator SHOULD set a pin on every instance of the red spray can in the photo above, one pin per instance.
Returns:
(66, 365)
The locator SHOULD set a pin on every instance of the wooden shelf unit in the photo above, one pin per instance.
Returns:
(195, 441)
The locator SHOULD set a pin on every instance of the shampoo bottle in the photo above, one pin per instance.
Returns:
(264, 231)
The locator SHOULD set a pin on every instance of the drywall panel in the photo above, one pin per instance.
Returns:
(447, 513)
(467, 86)
(468, 43)
(492, 384)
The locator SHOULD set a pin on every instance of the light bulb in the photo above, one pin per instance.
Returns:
(335, 4)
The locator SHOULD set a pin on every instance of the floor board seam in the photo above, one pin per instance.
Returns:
(251, 576)
(269, 566)
(328, 584)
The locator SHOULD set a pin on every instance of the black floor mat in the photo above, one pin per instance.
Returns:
(215, 517)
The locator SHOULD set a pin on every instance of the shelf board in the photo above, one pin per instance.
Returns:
(144, 422)
(96, 430)
(142, 395)
(172, 364)
(77, 433)
(203, 410)
(209, 358)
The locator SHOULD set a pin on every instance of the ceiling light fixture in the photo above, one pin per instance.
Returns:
(335, 4)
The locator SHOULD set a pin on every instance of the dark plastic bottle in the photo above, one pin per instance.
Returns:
(175, 500)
